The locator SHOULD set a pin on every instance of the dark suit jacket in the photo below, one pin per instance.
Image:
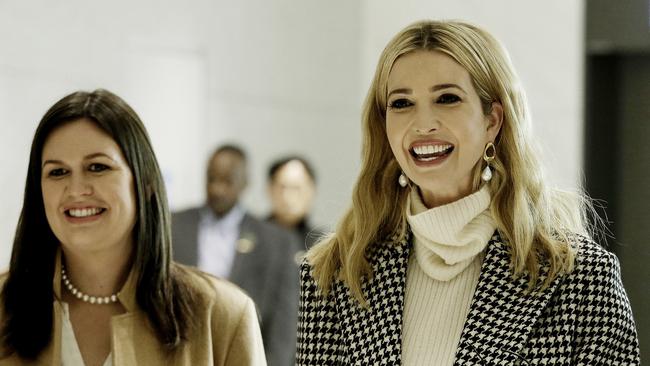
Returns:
(582, 318)
(267, 272)
(307, 236)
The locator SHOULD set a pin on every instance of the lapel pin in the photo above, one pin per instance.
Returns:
(245, 245)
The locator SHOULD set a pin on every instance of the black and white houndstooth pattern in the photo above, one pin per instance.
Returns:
(583, 318)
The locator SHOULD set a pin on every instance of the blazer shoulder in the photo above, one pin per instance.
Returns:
(186, 213)
(215, 290)
(310, 289)
(230, 316)
(590, 254)
(306, 272)
(254, 224)
(605, 329)
(271, 236)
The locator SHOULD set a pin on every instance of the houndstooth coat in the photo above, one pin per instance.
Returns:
(583, 318)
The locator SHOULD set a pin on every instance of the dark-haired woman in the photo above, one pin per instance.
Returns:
(91, 280)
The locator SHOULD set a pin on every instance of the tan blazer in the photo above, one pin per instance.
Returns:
(228, 332)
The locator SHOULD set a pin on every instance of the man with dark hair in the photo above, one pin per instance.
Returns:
(222, 239)
(291, 189)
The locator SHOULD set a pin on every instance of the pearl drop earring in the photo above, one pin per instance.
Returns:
(486, 175)
(402, 180)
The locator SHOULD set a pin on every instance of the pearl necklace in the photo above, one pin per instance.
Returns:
(84, 297)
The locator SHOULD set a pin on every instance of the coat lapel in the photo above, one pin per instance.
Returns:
(242, 267)
(500, 320)
(133, 339)
(192, 250)
(502, 313)
(134, 342)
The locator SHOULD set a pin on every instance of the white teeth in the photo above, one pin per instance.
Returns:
(429, 159)
(430, 149)
(84, 212)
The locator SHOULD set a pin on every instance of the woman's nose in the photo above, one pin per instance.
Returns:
(426, 121)
(79, 186)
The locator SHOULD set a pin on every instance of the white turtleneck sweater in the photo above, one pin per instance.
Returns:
(442, 274)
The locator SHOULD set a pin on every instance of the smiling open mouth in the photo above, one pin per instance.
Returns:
(426, 153)
(84, 212)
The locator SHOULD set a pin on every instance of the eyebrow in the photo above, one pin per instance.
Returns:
(87, 157)
(446, 86)
(433, 89)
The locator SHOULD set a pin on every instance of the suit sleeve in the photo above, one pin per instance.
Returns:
(606, 334)
(279, 319)
(185, 225)
(319, 335)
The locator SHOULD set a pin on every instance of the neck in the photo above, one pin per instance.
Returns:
(97, 274)
(220, 214)
(448, 238)
(287, 222)
(441, 197)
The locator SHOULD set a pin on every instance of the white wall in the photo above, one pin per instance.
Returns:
(277, 76)
(284, 80)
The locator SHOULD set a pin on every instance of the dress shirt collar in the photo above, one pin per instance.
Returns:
(232, 219)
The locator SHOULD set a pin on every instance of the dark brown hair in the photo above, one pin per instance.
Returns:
(162, 292)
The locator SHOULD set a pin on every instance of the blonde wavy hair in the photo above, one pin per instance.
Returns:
(536, 220)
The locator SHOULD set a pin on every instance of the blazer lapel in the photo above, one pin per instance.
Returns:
(374, 336)
(135, 342)
(242, 269)
(502, 314)
(193, 238)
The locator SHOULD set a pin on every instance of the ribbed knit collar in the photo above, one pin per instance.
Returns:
(448, 237)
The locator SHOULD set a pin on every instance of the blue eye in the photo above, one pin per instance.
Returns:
(400, 104)
(97, 167)
(448, 98)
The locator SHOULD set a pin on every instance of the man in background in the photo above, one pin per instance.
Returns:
(291, 189)
(221, 238)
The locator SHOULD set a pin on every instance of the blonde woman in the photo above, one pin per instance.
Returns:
(455, 250)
